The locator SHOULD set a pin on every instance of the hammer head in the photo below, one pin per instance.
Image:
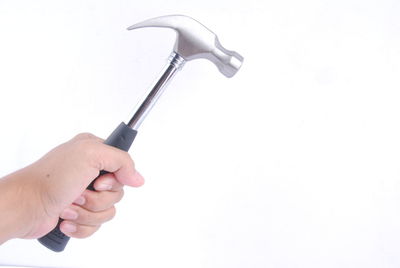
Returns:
(195, 41)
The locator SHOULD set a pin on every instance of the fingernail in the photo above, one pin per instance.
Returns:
(103, 187)
(69, 227)
(69, 214)
(80, 200)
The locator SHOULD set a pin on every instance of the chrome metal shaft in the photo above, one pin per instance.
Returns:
(175, 63)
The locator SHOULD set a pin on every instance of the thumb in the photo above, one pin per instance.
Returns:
(118, 162)
(137, 180)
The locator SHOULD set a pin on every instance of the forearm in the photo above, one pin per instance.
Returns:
(14, 207)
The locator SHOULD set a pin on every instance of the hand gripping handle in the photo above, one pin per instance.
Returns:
(121, 138)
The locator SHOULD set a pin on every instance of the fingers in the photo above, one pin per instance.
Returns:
(92, 208)
(107, 182)
(79, 222)
(77, 231)
(83, 216)
(98, 201)
(120, 164)
(111, 159)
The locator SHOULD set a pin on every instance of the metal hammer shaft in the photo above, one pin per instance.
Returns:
(175, 63)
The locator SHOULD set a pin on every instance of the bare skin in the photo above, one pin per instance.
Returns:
(33, 198)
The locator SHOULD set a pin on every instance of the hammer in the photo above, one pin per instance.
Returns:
(194, 41)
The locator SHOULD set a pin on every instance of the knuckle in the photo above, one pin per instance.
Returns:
(98, 201)
(120, 196)
(89, 150)
(85, 231)
(85, 217)
(91, 198)
(82, 234)
(92, 206)
(83, 136)
(83, 146)
(88, 218)
(132, 163)
(95, 218)
(127, 157)
(112, 213)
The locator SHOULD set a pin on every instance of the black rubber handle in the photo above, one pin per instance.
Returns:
(121, 138)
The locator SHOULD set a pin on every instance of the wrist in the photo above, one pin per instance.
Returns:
(19, 203)
(11, 210)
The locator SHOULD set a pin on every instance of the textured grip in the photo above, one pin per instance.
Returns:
(121, 138)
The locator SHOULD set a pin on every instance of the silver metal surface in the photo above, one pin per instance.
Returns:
(175, 63)
(195, 41)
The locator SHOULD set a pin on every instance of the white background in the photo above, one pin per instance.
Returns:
(294, 162)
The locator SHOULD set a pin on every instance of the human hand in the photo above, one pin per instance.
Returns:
(55, 186)
(92, 208)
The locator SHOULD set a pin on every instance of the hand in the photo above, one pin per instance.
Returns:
(92, 208)
(32, 199)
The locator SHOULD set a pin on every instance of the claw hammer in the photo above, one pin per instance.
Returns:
(193, 41)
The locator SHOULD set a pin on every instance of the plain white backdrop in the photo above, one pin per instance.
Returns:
(294, 162)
